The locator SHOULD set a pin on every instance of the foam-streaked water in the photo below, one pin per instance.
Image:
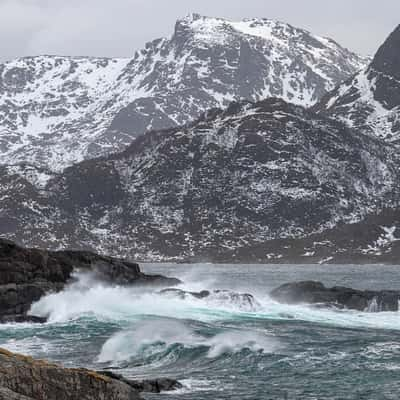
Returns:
(220, 347)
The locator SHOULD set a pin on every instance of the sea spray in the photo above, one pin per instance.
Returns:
(88, 297)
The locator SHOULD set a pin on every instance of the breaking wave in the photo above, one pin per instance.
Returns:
(90, 298)
(163, 337)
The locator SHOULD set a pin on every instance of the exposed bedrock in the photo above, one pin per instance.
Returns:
(23, 378)
(28, 274)
(311, 292)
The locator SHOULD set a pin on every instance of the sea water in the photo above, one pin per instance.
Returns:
(218, 347)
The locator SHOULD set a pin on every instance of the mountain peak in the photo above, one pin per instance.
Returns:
(370, 101)
(56, 111)
(387, 59)
(200, 26)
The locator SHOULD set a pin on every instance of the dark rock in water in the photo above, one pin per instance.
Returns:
(182, 293)
(147, 385)
(311, 292)
(28, 274)
(245, 301)
(22, 318)
(157, 385)
(23, 378)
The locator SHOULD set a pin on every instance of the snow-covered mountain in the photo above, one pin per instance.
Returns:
(370, 101)
(55, 111)
(235, 180)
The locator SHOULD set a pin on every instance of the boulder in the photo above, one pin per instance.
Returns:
(147, 385)
(244, 301)
(311, 292)
(172, 292)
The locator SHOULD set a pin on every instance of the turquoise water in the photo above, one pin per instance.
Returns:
(219, 347)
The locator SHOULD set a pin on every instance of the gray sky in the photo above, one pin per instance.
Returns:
(119, 27)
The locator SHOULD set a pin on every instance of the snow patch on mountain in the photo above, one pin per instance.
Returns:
(370, 101)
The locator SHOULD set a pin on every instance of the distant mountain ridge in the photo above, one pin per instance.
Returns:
(244, 183)
(56, 111)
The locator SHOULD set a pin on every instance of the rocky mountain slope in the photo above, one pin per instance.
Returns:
(247, 182)
(370, 101)
(55, 111)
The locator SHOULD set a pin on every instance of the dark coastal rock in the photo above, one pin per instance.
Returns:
(28, 274)
(113, 270)
(156, 385)
(147, 385)
(20, 318)
(23, 378)
(183, 293)
(243, 300)
(311, 292)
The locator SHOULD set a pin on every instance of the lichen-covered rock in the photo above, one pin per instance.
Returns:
(23, 378)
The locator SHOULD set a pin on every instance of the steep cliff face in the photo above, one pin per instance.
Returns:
(370, 101)
(55, 111)
(234, 179)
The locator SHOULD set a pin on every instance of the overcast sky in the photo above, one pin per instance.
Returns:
(119, 27)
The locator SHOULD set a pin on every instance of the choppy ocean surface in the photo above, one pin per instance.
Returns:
(218, 347)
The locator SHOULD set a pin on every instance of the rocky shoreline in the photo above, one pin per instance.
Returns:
(28, 274)
(24, 378)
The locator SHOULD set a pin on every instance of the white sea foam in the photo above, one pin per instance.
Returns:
(89, 297)
(156, 336)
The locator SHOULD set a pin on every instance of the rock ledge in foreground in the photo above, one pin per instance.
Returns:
(23, 378)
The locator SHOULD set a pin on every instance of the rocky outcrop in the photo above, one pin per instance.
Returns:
(311, 292)
(23, 378)
(28, 274)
